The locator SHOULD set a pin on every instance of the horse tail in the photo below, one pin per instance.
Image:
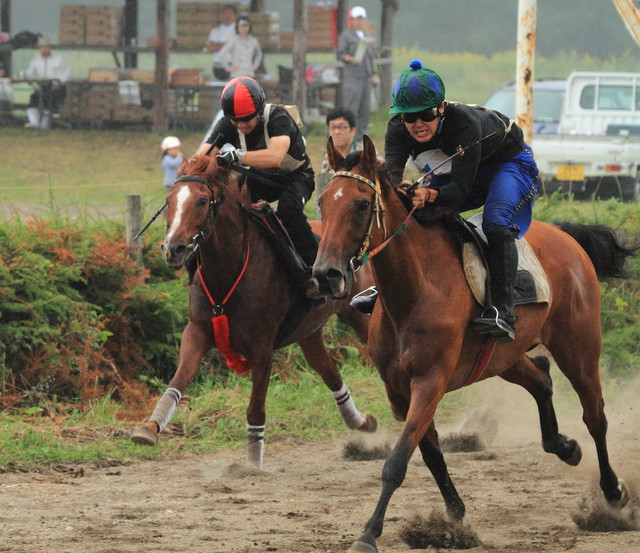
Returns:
(603, 247)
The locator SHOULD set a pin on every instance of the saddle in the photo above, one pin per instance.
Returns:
(532, 285)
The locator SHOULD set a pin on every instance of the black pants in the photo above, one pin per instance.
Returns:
(292, 191)
(47, 97)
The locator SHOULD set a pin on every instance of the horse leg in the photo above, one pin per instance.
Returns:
(316, 354)
(196, 341)
(425, 396)
(256, 412)
(580, 366)
(433, 458)
(533, 375)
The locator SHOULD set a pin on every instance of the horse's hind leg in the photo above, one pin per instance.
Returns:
(581, 368)
(433, 458)
(316, 354)
(196, 341)
(533, 375)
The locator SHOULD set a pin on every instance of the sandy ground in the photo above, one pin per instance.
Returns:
(310, 499)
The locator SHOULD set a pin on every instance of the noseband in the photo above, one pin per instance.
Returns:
(213, 213)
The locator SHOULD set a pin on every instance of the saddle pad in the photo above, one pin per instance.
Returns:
(531, 286)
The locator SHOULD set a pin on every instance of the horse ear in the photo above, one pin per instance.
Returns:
(212, 167)
(183, 164)
(369, 158)
(336, 159)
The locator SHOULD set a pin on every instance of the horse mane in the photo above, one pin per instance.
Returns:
(195, 165)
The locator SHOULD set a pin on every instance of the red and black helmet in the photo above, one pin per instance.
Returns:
(242, 98)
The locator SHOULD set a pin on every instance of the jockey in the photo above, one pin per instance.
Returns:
(271, 144)
(497, 171)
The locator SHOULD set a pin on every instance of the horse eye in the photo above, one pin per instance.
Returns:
(202, 202)
(363, 205)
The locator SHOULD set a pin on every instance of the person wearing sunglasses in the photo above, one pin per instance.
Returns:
(266, 139)
(496, 170)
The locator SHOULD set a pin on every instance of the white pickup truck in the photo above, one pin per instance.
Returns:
(586, 132)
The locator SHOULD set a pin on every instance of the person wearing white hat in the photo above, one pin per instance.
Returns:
(171, 159)
(355, 49)
(54, 71)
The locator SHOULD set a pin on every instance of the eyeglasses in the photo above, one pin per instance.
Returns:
(339, 127)
(243, 119)
(426, 115)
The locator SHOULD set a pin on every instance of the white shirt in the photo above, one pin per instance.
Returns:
(222, 33)
(53, 67)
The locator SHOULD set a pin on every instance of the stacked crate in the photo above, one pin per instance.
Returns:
(91, 25)
(72, 25)
(265, 26)
(321, 27)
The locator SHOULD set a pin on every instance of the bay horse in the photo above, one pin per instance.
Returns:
(419, 335)
(206, 213)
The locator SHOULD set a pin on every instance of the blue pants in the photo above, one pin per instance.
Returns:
(507, 190)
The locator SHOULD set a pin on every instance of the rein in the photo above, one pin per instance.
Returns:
(365, 254)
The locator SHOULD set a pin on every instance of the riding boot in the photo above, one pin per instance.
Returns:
(498, 320)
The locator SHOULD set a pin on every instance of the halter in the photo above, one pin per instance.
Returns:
(365, 254)
(213, 214)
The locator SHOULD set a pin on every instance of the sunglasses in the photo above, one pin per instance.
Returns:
(426, 115)
(243, 119)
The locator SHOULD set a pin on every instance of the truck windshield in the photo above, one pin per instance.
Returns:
(546, 104)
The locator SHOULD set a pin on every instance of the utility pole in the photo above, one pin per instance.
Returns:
(525, 62)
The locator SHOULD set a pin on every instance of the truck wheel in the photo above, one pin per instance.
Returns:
(630, 188)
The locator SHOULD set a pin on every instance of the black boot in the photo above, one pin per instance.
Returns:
(498, 320)
(365, 300)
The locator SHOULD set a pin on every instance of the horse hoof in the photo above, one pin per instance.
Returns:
(362, 547)
(145, 435)
(576, 453)
(624, 495)
(369, 424)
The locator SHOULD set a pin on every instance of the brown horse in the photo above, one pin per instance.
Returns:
(419, 336)
(239, 273)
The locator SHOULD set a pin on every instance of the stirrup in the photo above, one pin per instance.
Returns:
(365, 300)
(493, 324)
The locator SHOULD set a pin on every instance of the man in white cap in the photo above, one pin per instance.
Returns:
(355, 49)
(53, 70)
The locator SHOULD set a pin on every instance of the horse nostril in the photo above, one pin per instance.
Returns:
(333, 276)
(179, 250)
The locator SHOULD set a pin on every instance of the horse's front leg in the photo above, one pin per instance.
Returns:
(425, 396)
(196, 340)
(315, 352)
(256, 412)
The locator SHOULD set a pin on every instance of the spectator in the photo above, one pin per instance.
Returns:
(219, 36)
(53, 70)
(6, 94)
(341, 124)
(244, 51)
(171, 160)
(355, 49)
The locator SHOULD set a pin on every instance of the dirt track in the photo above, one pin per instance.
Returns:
(309, 499)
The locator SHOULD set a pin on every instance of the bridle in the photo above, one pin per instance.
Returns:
(377, 214)
(212, 215)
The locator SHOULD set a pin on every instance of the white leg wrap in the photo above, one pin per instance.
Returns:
(255, 445)
(33, 114)
(352, 417)
(165, 407)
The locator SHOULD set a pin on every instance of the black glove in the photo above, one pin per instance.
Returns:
(227, 158)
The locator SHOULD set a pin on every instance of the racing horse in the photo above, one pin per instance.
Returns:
(419, 335)
(239, 299)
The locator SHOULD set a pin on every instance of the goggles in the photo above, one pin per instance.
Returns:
(426, 115)
(244, 119)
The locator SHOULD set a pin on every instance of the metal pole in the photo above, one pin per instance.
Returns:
(162, 66)
(525, 62)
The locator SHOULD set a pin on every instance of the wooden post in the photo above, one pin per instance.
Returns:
(385, 67)
(133, 224)
(299, 85)
(162, 66)
(130, 31)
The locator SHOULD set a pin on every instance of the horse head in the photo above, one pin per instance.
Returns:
(193, 205)
(352, 209)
